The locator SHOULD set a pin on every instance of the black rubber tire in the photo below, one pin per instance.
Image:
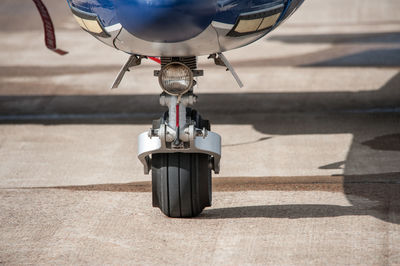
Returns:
(181, 183)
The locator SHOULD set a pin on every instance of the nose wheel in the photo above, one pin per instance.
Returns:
(181, 175)
(181, 182)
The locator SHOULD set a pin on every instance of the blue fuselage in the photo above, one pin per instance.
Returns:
(180, 21)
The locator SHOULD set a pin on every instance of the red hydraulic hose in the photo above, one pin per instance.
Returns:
(155, 59)
(177, 116)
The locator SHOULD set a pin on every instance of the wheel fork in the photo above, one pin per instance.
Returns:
(183, 136)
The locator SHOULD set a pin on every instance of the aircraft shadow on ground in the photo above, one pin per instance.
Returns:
(292, 211)
(271, 114)
(236, 107)
(379, 199)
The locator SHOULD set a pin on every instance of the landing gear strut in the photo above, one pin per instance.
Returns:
(180, 149)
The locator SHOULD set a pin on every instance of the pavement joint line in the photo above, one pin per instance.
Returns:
(146, 185)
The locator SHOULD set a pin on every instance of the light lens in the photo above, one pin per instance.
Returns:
(268, 22)
(250, 25)
(89, 22)
(176, 78)
(254, 22)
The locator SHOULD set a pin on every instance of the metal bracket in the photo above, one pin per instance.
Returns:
(221, 60)
(196, 73)
(134, 60)
(209, 143)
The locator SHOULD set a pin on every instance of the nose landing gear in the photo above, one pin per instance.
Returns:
(181, 152)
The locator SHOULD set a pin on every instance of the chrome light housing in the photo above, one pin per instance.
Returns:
(176, 78)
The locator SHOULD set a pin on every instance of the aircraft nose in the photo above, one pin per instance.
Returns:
(165, 20)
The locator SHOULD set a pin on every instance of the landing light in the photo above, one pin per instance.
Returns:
(176, 78)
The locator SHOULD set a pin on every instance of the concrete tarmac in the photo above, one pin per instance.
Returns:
(311, 146)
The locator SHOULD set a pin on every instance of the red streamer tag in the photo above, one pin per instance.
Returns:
(49, 35)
